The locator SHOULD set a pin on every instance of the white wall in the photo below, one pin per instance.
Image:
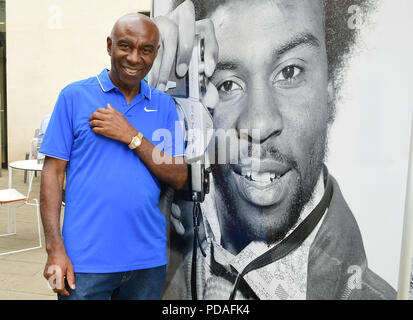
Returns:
(51, 43)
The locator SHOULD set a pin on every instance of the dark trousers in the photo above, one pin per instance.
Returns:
(145, 284)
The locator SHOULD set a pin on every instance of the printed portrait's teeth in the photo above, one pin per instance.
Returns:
(261, 177)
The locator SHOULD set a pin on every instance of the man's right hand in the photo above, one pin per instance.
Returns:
(58, 268)
(177, 30)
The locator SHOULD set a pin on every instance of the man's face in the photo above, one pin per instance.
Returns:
(272, 76)
(133, 49)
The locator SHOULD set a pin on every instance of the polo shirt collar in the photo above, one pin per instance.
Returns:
(104, 80)
(146, 90)
(107, 85)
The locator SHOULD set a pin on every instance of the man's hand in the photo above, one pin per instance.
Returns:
(112, 124)
(178, 30)
(58, 267)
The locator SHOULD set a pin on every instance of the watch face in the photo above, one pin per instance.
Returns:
(135, 142)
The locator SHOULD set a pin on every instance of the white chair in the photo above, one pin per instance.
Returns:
(35, 144)
(9, 198)
(33, 153)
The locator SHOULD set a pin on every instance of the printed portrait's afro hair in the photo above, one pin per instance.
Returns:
(340, 38)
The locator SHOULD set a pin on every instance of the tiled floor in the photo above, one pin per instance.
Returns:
(21, 274)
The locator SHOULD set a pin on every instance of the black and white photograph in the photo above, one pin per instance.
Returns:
(325, 83)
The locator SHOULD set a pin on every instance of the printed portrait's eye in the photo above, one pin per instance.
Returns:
(228, 87)
(289, 77)
(288, 73)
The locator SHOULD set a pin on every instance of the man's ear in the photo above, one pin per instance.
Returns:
(109, 45)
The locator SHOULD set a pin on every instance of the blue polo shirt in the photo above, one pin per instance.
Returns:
(112, 220)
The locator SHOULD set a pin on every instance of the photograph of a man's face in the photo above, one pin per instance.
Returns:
(274, 67)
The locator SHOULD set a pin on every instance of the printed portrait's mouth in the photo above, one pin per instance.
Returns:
(265, 187)
(263, 174)
(260, 180)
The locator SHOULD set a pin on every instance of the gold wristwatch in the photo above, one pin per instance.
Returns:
(136, 141)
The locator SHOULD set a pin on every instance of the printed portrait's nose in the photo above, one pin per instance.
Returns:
(261, 116)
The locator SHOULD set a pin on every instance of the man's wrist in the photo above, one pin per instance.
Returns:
(53, 247)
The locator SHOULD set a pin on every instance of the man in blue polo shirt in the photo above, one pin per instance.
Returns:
(103, 136)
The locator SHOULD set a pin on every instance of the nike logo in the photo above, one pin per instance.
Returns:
(149, 110)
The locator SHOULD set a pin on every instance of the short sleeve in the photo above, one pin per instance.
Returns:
(174, 142)
(58, 139)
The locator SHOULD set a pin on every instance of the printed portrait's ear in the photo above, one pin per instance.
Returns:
(331, 101)
(331, 91)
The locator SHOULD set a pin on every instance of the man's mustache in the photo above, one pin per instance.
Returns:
(270, 152)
